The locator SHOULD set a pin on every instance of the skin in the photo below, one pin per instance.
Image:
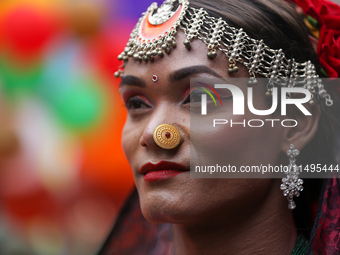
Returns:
(209, 216)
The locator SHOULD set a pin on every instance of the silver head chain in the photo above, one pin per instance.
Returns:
(145, 45)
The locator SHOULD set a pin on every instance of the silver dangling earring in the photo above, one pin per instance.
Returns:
(291, 184)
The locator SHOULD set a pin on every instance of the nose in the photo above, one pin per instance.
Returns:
(162, 133)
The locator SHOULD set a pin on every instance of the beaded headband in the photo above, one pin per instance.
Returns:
(154, 36)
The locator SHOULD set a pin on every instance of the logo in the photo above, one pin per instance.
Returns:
(204, 97)
(239, 99)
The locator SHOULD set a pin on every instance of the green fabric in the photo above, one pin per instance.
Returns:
(313, 22)
(301, 246)
(324, 72)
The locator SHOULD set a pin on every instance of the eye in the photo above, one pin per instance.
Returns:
(194, 97)
(135, 103)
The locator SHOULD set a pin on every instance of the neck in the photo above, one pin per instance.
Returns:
(268, 230)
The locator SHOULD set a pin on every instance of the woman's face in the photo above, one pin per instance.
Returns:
(181, 199)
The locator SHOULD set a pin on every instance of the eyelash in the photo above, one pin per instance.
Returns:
(199, 93)
(139, 101)
(191, 96)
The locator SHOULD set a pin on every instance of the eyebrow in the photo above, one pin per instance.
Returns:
(188, 71)
(133, 81)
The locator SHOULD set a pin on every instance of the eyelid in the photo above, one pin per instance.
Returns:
(132, 92)
(191, 94)
(207, 90)
(139, 100)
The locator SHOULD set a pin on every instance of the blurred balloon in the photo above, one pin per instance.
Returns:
(85, 18)
(54, 152)
(17, 77)
(26, 30)
(63, 62)
(9, 143)
(23, 207)
(71, 87)
(46, 237)
(81, 106)
(106, 47)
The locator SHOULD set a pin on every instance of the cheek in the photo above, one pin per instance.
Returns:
(237, 142)
(235, 145)
(130, 141)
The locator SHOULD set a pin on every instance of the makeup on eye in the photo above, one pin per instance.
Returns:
(136, 103)
(196, 94)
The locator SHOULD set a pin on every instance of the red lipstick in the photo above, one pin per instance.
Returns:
(160, 171)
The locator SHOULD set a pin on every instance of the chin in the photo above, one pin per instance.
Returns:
(160, 207)
(160, 213)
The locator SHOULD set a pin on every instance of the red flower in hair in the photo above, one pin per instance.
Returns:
(329, 51)
(328, 15)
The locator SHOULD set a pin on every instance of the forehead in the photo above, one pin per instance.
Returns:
(179, 58)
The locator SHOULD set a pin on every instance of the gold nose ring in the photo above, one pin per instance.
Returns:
(166, 136)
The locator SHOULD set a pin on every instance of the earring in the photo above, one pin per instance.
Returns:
(291, 184)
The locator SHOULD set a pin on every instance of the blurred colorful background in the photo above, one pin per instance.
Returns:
(63, 174)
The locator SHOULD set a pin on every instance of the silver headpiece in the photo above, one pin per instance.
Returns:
(155, 33)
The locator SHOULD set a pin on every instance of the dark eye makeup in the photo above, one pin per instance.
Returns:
(195, 96)
(135, 103)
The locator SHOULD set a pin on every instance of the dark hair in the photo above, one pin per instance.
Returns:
(278, 24)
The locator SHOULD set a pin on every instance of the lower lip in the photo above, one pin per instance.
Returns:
(161, 175)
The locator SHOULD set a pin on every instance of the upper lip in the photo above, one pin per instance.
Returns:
(162, 165)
